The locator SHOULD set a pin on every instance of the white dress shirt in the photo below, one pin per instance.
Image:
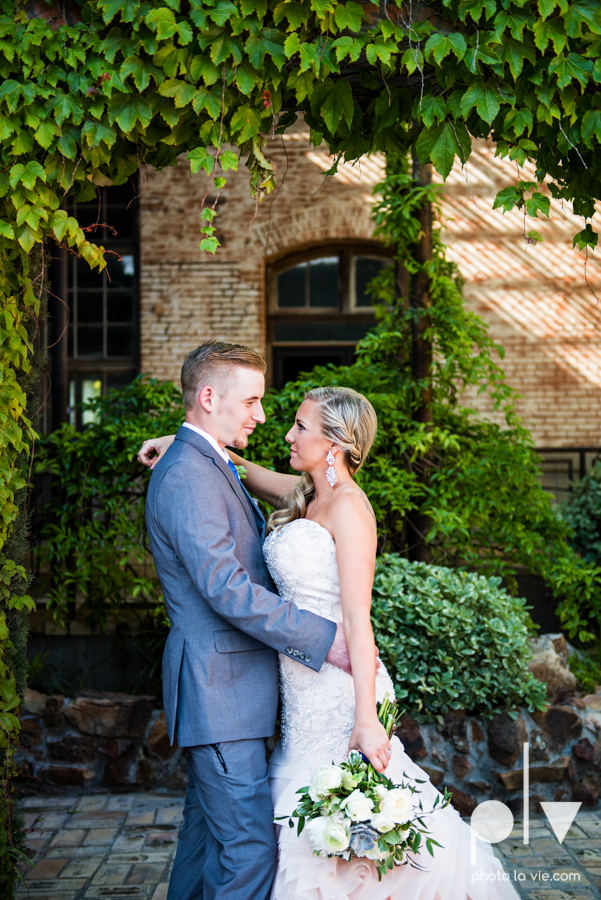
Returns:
(210, 439)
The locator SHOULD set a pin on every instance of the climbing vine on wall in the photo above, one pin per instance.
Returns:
(91, 92)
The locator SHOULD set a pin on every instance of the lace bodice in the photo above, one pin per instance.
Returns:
(318, 708)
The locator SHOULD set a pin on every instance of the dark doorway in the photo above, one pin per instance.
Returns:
(289, 362)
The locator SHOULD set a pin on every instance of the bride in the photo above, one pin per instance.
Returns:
(321, 551)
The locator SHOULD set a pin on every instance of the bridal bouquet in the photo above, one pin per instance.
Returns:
(350, 809)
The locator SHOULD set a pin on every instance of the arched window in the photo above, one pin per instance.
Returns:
(318, 306)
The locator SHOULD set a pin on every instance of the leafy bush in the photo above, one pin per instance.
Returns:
(452, 640)
(94, 544)
(582, 512)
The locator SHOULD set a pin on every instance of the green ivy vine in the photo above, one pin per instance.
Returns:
(90, 94)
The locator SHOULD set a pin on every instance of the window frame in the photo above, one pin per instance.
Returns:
(347, 310)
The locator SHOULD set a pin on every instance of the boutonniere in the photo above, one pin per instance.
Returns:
(242, 473)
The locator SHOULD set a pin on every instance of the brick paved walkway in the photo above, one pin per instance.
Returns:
(122, 845)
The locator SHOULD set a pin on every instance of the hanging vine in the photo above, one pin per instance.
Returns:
(90, 93)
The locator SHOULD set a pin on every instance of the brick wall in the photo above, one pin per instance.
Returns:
(534, 298)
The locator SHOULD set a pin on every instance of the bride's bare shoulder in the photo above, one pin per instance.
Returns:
(352, 505)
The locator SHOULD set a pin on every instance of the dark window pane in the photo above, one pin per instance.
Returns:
(323, 283)
(86, 278)
(119, 380)
(70, 341)
(119, 307)
(122, 220)
(291, 287)
(120, 341)
(121, 194)
(88, 215)
(89, 340)
(89, 308)
(320, 331)
(365, 270)
(120, 271)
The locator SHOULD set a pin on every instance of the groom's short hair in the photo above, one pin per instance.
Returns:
(210, 364)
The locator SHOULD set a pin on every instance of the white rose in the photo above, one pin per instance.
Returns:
(315, 829)
(398, 804)
(358, 806)
(382, 822)
(335, 836)
(380, 791)
(348, 782)
(325, 780)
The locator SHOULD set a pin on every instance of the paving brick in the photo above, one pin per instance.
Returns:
(145, 873)
(97, 836)
(100, 819)
(46, 868)
(111, 875)
(145, 817)
(72, 838)
(94, 803)
(161, 891)
(82, 868)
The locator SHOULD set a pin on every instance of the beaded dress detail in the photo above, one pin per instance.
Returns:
(317, 720)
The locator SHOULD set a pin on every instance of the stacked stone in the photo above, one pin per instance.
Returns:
(110, 739)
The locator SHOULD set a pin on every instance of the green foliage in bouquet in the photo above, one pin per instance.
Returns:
(452, 639)
(582, 512)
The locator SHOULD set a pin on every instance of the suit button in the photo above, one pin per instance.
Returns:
(301, 656)
(307, 659)
(295, 653)
(288, 649)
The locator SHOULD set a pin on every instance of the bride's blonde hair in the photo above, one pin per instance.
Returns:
(348, 419)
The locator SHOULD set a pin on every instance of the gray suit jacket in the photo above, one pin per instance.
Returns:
(220, 669)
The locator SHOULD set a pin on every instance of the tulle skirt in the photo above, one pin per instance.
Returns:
(448, 875)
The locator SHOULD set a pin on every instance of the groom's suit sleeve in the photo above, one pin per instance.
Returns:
(194, 516)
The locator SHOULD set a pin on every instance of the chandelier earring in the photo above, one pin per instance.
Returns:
(331, 475)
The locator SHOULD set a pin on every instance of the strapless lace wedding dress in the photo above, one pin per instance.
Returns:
(317, 720)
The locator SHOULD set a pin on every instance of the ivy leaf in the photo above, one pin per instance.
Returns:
(199, 159)
(441, 45)
(222, 12)
(333, 100)
(26, 237)
(534, 236)
(520, 120)
(209, 245)
(349, 15)
(441, 145)
(127, 8)
(185, 33)
(294, 12)
(546, 7)
(433, 109)
(591, 126)
(412, 59)
(247, 121)
(228, 160)
(45, 133)
(538, 203)
(162, 21)
(552, 30)
(586, 238)
(136, 67)
(508, 198)
(181, 91)
(571, 66)
(96, 133)
(203, 67)
(209, 98)
(380, 50)
(516, 53)
(269, 41)
(246, 77)
(223, 46)
(127, 109)
(6, 230)
(475, 8)
(484, 98)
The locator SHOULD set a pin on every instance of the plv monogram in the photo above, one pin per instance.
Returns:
(492, 821)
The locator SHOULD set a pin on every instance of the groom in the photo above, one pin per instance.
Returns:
(220, 669)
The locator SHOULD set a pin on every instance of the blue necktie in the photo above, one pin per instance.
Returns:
(234, 470)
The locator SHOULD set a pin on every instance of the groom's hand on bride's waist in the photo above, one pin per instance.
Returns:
(339, 655)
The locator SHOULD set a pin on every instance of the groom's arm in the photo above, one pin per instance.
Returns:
(193, 516)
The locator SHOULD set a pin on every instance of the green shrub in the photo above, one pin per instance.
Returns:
(452, 640)
(582, 512)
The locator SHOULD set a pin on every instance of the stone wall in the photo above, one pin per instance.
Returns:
(119, 742)
(97, 740)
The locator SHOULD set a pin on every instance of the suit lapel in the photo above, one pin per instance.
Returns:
(255, 519)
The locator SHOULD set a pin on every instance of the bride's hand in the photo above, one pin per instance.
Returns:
(372, 741)
(152, 450)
